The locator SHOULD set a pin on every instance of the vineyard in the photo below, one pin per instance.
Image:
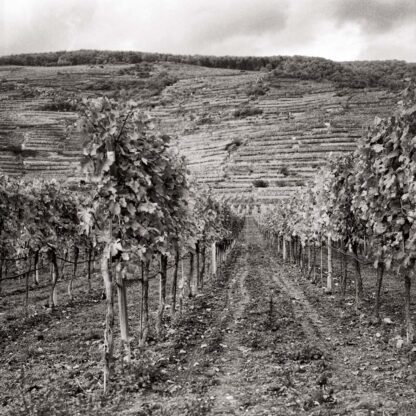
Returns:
(254, 137)
(363, 203)
(128, 286)
(143, 210)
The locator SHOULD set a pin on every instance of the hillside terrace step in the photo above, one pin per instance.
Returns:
(291, 108)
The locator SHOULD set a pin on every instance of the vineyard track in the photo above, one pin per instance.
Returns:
(271, 338)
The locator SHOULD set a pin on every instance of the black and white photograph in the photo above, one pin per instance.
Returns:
(207, 207)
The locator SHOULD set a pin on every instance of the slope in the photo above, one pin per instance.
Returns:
(252, 136)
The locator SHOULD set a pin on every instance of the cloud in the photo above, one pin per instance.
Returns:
(236, 19)
(395, 44)
(376, 16)
(336, 29)
(41, 26)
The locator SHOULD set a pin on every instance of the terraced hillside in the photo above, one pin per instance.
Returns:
(252, 136)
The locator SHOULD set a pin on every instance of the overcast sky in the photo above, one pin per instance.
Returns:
(335, 29)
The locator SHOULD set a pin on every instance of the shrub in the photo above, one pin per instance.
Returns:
(18, 150)
(247, 111)
(7, 86)
(257, 89)
(205, 119)
(60, 105)
(284, 171)
(160, 81)
(141, 70)
(101, 85)
(260, 183)
(237, 142)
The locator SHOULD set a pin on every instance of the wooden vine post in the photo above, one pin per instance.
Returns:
(213, 259)
(198, 266)
(89, 258)
(329, 278)
(122, 309)
(181, 287)
(410, 330)
(321, 258)
(314, 262)
(191, 273)
(162, 293)
(144, 315)
(109, 317)
(380, 273)
(174, 287)
(53, 296)
(301, 256)
(1, 272)
(74, 272)
(204, 259)
(37, 281)
(284, 249)
(358, 278)
(27, 275)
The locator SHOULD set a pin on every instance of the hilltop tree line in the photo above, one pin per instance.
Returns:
(358, 74)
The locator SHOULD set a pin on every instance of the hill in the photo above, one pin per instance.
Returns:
(253, 136)
(356, 74)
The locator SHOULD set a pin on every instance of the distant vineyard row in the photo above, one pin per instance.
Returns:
(360, 74)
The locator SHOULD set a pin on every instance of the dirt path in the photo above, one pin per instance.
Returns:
(350, 389)
(227, 394)
(262, 340)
